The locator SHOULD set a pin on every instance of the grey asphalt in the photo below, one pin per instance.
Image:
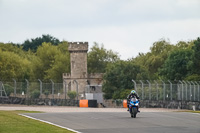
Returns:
(121, 122)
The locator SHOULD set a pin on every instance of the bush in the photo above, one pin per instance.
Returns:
(121, 94)
(9, 89)
(71, 94)
(193, 77)
(35, 94)
(116, 95)
(46, 93)
(125, 93)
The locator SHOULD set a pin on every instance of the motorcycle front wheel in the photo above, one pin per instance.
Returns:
(134, 112)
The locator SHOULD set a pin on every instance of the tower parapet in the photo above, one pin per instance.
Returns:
(95, 75)
(78, 46)
(66, 75)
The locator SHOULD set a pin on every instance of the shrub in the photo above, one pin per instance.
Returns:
(9, 89)
(121, 94)
(193, 77)
(46, 93)
(71, 94)
(35, 94)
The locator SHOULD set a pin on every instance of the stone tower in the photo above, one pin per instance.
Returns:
(78, 61)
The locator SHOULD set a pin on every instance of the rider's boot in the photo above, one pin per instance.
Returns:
(128, 109)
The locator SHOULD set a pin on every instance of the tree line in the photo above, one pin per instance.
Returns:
(165, 61)
(47, 58)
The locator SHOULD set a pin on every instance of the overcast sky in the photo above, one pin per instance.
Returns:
(124, 26)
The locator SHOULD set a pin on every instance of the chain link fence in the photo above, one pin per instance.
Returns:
(147, 90)
(37, 93)
(168, 90)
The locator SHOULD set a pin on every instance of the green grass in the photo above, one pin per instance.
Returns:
(194, 111)
(11, 122)
(191, 111)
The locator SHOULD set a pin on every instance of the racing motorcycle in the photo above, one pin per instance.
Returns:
(133, 107)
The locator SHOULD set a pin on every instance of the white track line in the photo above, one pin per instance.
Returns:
(195, 113)
(50, 123)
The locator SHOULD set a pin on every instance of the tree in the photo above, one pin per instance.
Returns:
(99, 58)
(13, 66)
(118, 77)
(196, 60)
(61, 65)
(51, 62)
(178, 65)
(154, 59)
(13, 48)
(33, 44)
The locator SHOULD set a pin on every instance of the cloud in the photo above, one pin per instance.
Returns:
(127, 27)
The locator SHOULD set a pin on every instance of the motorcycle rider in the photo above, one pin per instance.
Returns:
(132, 95)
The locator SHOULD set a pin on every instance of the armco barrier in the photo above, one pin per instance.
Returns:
(87, 103)
(40, 101)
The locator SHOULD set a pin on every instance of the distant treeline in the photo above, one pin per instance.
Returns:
(47, 58)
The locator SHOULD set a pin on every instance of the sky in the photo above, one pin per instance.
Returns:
(128, 27)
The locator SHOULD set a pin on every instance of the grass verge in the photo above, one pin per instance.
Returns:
(11, 122)
(190, 111)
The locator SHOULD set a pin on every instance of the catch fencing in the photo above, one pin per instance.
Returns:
(147, 90)
(36, 93)
(34, 89)
(168, 90)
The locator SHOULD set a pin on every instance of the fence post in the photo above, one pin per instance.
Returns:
(52, 88)
(1, 89)
(170, 90)
(163, 90)
(65, 82)
(76, 89)
(27, 91)
(190, 91)
(40, 87)
(156, 90)
(149, 90)
(194, 89)
(198, 89)
(185, 90)
(181, 89)
(142, 89)
(14, 87)
(135, 84)
(27, 85)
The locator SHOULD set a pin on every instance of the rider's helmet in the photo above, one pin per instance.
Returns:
(133, 91)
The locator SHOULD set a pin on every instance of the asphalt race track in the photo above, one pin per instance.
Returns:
(121, 122)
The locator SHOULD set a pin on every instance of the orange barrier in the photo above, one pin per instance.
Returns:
(83, 103)
(125, 103)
